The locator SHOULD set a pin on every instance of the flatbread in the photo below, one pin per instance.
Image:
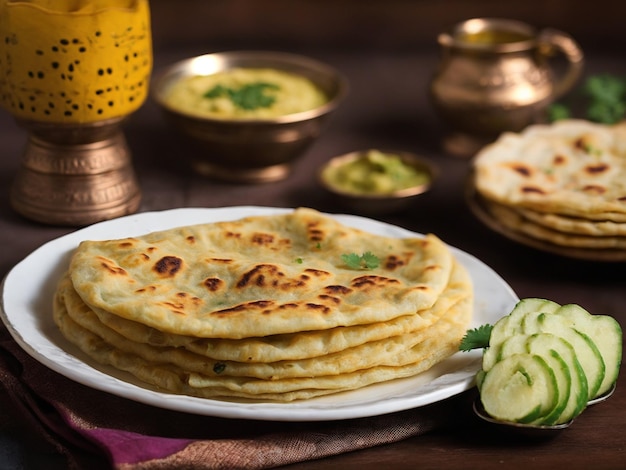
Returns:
(563, 183)
(365, 351)
(388, 351)
(264, 308)
(570, 167)
(171, 377)
(515, 221)
(574, 225)
(289, 346)
(259, 276)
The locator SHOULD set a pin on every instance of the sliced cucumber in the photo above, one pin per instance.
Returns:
(578, 392)
(521, 388)
(606, 334)
(587, 352)
(490, 355)
(542, 344)
(480, 375)
(529, 321)
(510, 325)
(516, 344)
(545, 362)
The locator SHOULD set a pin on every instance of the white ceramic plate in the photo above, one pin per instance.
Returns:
(27, 302)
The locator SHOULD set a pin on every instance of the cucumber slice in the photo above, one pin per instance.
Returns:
(509, 325)
(521, 388)
(490, 355)
(543, 344)
(480, 376)
(529, 321)
(563, 382)
(586, 351)
(606, 334)
(516, 344)
(578, 392)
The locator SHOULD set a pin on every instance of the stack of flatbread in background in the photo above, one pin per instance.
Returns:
(564, 183)
(265, 307)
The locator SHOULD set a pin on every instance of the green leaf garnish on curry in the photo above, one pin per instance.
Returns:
(249, 96)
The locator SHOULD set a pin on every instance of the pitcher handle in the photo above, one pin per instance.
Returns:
(552, 41)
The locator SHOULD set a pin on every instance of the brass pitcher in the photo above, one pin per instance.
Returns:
(498, 75)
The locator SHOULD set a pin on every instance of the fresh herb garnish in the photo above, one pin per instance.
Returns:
(476, 338)
(365, 261)
(591, 150)
(604, 97)
(558, 111)
(250, 96)
(607, 96)
(299, 260)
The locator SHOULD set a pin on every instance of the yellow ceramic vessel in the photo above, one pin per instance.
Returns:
(70, 72)
(74, 61)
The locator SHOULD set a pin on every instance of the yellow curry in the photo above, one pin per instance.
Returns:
(245, 93)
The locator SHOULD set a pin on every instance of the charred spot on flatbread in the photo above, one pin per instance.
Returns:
(168, 266)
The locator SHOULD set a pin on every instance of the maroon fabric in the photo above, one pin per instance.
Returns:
(130, 435)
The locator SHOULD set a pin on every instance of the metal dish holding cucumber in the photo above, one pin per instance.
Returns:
(544, 364)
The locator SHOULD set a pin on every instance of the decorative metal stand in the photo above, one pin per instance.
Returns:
(75, 174)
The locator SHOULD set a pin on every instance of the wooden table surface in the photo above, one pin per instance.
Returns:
(387, 107)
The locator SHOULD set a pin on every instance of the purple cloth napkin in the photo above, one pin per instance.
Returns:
(124, 434)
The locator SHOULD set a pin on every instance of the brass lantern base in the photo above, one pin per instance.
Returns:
(75, 174)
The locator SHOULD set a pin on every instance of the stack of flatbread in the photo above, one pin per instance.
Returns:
(265, 307)
(564, 183)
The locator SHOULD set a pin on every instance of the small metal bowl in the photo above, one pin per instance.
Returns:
(378, 203)
(250, 150)
(532, 431)
(529, 431)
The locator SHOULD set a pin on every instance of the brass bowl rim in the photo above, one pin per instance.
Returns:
(260, 58)
(407, 157)
(450, 38)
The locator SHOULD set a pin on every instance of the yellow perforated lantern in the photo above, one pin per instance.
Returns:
(74, 61)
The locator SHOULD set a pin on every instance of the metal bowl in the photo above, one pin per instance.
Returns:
(532, 430)
(250, 150)
(378, 203)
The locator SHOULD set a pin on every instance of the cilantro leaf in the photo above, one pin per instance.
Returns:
(249, 96)
(216, 92)
(365, 261)
(370, 260)
(476, 338)
(604, 100)
(352, 260)
(558, 111)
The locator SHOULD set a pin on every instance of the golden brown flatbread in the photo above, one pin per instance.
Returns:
(168, 374)
(563, 183)
(571, 167)
(265, 308)
(516, 221)
(288, 346)
(362, 346)
(575, 225)
(259, 276)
